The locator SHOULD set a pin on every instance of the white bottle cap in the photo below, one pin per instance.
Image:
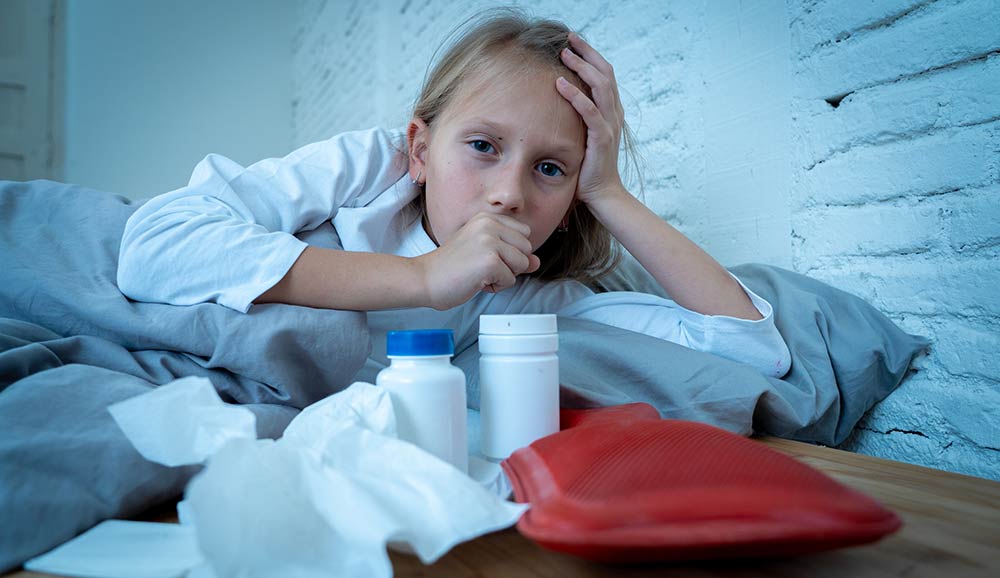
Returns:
(517, 324)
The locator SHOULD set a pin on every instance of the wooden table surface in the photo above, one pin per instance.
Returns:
(951, 528)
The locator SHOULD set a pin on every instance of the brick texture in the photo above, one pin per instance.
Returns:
(896, 165)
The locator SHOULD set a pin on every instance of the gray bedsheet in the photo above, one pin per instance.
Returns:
(71, 344)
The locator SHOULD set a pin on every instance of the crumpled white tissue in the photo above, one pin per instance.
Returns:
(164, 435)
(324, 500)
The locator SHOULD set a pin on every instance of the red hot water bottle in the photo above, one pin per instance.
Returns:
(619, 484)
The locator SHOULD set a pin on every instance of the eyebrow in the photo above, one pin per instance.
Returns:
(557, 148)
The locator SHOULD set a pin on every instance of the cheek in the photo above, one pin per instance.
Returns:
(548, 220)
(446, 207)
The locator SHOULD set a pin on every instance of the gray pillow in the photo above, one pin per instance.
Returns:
(843, 349)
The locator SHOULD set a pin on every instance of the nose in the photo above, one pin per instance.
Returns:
(507, 192)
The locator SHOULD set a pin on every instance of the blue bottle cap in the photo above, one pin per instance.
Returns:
(420, 342)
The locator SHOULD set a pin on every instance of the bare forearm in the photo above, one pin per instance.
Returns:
(690, 276)
(329, 279)
(486, 254)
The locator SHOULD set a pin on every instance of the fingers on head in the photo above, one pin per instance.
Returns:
(602, 86)
(588, 52)
(587, 71)
(583, 105)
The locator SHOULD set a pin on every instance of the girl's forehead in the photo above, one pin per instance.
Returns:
(525, 103)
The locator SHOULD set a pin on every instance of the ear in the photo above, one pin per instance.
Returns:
(417, 140)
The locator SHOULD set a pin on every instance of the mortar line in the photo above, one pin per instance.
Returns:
(864, 29)
(834, 101)
(904, 137)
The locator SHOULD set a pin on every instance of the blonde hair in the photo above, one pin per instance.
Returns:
(586, 250)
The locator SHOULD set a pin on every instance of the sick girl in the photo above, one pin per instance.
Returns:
(501, 195)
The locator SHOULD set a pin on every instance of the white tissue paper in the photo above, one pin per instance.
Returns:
(124, 549)
(182, 422)
(324, 500)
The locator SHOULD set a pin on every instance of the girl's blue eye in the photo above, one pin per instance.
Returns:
(550, 169)
(482, 146)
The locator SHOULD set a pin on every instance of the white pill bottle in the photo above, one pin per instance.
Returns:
(428, 393)
(518, 381)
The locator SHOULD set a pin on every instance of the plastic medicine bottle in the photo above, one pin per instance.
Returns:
(518, 381)
(427, 392)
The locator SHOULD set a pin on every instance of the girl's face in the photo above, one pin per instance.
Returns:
(510, 145)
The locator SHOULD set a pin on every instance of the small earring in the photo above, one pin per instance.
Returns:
(416, 181)
(563, 225)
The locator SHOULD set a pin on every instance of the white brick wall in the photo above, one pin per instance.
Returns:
(896, 198)
(856, 142)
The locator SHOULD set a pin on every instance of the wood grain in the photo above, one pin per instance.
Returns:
(951, 529)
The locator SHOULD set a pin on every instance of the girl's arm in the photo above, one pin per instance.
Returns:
(228, 235)
(690, 276)
(332, 279)
(486, 254)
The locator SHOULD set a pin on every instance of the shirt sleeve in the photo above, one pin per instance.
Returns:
(757, 343)
(227, 237)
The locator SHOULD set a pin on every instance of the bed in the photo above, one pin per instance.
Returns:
(71, 344)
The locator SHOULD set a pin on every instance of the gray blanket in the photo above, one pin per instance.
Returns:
(71, 344)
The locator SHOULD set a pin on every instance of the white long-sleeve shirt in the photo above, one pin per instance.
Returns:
(227, 237)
